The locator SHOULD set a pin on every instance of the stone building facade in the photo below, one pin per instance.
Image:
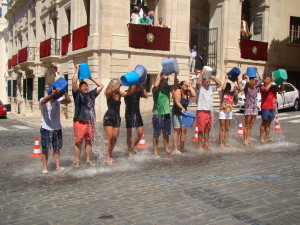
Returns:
(45, 34)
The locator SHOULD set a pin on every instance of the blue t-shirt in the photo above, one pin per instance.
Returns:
(85, 105)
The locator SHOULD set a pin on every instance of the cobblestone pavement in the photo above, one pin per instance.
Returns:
(236, 185)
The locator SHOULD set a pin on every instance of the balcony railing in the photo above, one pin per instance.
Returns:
(65, 41)
(26, 54)
(14, 60)
(79, 37)
(50, 47)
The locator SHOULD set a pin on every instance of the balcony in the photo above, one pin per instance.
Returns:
(65, 41)
(80, 38)
(149, 37)
(14, 60)
(26, 56)
(254, 50)
(9, 64)
(50, 50)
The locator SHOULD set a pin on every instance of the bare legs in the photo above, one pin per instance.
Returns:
(166, 144)
(265, 130)
(182, 133)
(56, 155)
(249, 121)
(140, 132)
(224, 132)
(77, 151)
(206, 140)
(112, 134)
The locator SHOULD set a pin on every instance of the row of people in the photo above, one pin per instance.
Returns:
(140, 17)
(84, 114)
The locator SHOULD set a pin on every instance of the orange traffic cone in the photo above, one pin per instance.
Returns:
(142, 142)
(240, 129)
(277, 125)
(195, 138)
(37, 149)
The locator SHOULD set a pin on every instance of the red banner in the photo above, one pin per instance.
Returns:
(45, 48)
(9, 64)
(14, 60)
(149, 37)
(65, 41)
(22, 55)
(255, 50)
(79, 37)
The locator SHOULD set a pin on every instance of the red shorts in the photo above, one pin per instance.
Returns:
(204, 120)
(83, 130)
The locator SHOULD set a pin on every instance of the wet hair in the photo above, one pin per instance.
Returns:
(252, 82)
(180, 84)
(228, 87)
(82, 83)
(112, 83)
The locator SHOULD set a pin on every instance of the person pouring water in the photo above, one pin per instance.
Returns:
(84, 113)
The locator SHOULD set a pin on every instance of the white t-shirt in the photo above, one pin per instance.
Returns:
(205, 98)
(51, 115)
(193, 54)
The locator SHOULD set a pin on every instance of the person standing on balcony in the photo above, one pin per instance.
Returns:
(144, 20)
(268, 106)
(51, 129)
(151, 17)
(84, 116)
(161, 119)
(160, 23)
(204, 108)
(135, 15)
(193, 55)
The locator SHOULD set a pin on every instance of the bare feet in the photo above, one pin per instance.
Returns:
(208, 148)
(200, 149)
(76, 165)
(176, 152)
(130, 155)
(135, 151)
(222, 145)
(155, 153)
(109, 162)
(269, 139)
(227, 144)
(262, 140)
(246, 143)
(168, 151)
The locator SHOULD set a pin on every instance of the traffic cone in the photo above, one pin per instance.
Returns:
(240, 129)
(37, 149)
(142, 142)
(195, 138)
(277, 125)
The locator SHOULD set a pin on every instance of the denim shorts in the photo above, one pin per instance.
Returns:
(161, 123)
(268, 114)
(177, 121)
(51, 139)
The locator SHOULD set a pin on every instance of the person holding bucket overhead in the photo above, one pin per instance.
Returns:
(84, 113)
(227, 96)
(268, 106)
(250, 109)
(181, 101)
(112, 119)
(205, 107)
(161, 118)
(133, 116)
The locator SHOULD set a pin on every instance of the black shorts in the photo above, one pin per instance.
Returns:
(51, 139)
(111, 121)
(133, 121)
(161, 123)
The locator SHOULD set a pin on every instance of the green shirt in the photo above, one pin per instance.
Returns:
(142, 20)
(161, 99)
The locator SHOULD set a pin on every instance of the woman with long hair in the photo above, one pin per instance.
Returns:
(226, 106)
(112, 119)
(181, 101)
(251, 111)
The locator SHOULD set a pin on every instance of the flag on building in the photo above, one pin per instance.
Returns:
(255, 50)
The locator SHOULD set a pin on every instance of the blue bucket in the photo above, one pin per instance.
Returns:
(251, 72)
(188, 119)
(233, 74)
(84, 71)
(142, 72)
(131, 78)
(169, 66)
(60, 84)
